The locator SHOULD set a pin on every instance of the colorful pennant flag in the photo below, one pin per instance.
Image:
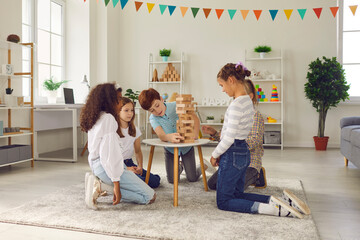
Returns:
(219, 12)
(138, 5)
(317, 12)
(195, 11)
(273, 13)
(150, 6)
(244, 13)
(123, 3)
(302, 13)
(334, 10)
(288, 13)
(183, 10)
(353, 9)
(232, 13)
(257, 14)
(115, 2)
(107, 2)
(171, 9)
(206, 12)
(162, 8)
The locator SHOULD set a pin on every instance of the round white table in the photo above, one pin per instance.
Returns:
(157, 142)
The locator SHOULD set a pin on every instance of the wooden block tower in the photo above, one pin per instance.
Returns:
(185, 124)
(170, 74)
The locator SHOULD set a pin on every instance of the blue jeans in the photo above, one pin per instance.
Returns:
(230, 194)
(154, 180)
(132, 188)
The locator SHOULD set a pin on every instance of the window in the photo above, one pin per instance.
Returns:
(349, 48)
(50, 41)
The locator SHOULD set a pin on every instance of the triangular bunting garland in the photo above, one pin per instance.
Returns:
(123, 3)
(232, 13)
(162, 8)
(288, 13)
(150, 6)
(257, 14)
(107, 2)
(115, 2)
(219, 12)
(195, 11)
(171, 9)
(206, 12)
(302, 13)
(317, 12)
(273, 13)
(244, 13)
(353, 9)
(334, 10)
(138, 5)
(183, 10)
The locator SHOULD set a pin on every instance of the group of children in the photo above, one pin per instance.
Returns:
(108, 118)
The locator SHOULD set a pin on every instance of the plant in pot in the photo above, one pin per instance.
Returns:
(262, 50)
(51, 86)
(210, 119)
(132, 95)
(325, 88)
(165, 53)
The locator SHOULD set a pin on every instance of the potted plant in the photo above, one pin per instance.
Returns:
(132, 95)
(325, 88)
(262, 50)
(52, 87)
(210, 119)
(165, 53)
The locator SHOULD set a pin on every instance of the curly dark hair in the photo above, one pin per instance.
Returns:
(132, 128)
(233, 70)
(102, 98)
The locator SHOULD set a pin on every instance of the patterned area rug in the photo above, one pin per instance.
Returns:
(196, 217)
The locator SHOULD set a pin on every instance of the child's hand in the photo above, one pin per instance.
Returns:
(131, 169)
(175, 137)
(208, 130)
(214, 161)
(138, 170)
(117, 193)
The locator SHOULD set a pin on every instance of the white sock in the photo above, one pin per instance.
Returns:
(108, 188)
(268, 209)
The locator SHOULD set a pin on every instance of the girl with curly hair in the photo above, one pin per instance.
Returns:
(100, 119)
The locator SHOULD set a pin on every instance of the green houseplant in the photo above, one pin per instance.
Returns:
(132, 95)
(165, 53)
(262, 50)
(325, 88)
(210, 119)
(51, 86)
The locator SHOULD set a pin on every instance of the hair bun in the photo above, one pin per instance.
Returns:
(247, 73)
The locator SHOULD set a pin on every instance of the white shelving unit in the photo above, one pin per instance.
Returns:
(160, 65)
(7, 49)
(273, 109)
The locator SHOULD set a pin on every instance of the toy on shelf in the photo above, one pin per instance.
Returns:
(185, 124)
(155, 76)
(165, 96)
(260, 94)
(274, 94)
(173, 97)
(170, 74)
(271, 120)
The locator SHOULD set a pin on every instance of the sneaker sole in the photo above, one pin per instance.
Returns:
(292, 210)
(302, 206)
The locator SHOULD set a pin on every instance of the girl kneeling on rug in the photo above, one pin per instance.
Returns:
(100, 119)
(130, 139)
(233, 156)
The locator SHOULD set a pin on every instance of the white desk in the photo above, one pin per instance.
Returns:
(157, 142)
(56, 116)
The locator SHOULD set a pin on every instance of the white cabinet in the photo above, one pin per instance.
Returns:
(269, 71)
(15, 110)
(168, 87)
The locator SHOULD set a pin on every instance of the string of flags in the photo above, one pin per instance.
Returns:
(219, 12)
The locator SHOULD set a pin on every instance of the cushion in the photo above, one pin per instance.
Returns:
(346, 131)
(355, 138)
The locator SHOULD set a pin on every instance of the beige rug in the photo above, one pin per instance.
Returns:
(196, 217)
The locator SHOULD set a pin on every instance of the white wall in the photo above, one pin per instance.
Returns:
(209, 44)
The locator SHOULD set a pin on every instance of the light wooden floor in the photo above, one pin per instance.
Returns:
(333, 191)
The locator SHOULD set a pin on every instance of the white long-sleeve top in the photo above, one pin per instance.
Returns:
(104, 143)
(238, 121)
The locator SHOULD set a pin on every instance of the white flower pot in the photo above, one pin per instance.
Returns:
(51, 97)
(210, 121)
(262, 54)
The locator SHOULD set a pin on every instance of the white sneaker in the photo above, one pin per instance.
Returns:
(295, 202)
(92, 191)
(87, 174)
(284, 210)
